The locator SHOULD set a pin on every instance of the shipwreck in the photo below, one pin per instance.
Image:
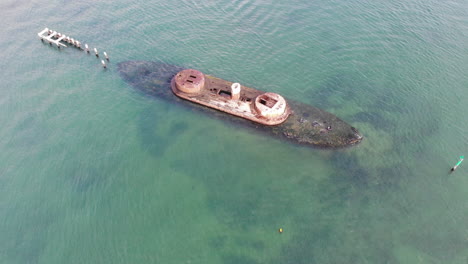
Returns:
(265, 111)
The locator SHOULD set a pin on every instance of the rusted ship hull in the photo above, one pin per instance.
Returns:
(306, 124)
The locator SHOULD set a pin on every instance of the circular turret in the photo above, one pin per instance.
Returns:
(189, 81)
(270, 105)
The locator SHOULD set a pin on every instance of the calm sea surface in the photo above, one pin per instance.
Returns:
(94, 171)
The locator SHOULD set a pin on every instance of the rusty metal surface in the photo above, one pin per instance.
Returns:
(216, 93)
(306, 125)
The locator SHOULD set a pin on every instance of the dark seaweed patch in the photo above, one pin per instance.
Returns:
(178, 129)
(238, 259)
(152, 138)
(218, 242)
(29, 132)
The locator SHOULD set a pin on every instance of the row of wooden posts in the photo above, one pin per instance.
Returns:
(54, 37)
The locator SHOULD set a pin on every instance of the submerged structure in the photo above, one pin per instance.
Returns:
(265, 111)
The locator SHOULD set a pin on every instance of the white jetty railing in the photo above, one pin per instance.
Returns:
(54, 37)
(49, 35)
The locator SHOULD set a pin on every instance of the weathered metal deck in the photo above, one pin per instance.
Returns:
(232, 98)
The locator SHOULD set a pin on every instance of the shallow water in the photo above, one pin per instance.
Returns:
(94, 171)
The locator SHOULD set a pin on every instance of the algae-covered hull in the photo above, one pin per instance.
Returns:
(306, 125)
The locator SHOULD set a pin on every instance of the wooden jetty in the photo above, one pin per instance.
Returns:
(54, 37)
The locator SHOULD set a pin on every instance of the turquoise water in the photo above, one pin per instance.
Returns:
(94, 171)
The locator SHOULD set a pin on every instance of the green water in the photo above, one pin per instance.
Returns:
(94, 171)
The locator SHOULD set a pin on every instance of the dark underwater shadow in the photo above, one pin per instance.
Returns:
(155, 139)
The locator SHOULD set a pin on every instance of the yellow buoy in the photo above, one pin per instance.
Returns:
(280, 230)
